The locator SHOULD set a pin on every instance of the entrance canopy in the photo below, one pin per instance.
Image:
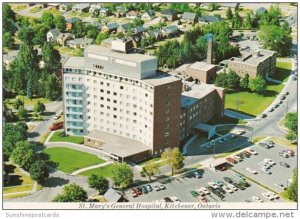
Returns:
(209, 129)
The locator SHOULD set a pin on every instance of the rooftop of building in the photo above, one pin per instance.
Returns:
(194, 92)
(160, 79)
(204, 66)
(100, 50)
(74, 62)
(253, 59)
(118, 145)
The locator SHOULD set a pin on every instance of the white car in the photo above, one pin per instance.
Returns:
(265, 170)
(273, 194)
(201, 193)
(267, 195)
(213, 185)
(251, 171)
(280, 185)
(252, 151)
(203, 189)
(240, 132)
(232, 187)
(237, 158)
(175, 199)
(227, 189)
(269, 161)
(257, 199)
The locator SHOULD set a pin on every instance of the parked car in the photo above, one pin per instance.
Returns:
(197, 174)
(284, 154)
(213, 185)
(271, 109)
(194, 193)
(264, 145)
(257, 199)
(239, 176)
(263, 115)
(227, 189)
(205, 190)
(280, 185)
(201, 199)
(252, 151)
(286, 93)
(232, 187)
(269, 161)
(231, 160)
(273, 194)
(265, 170)
(138, 191)
(246, 153)
(238, 158)
(251, 171)
(167, 199)
(227, 179)
(218, 182)
(291, 153)
(267, 196)
(294, 78)
(175, 199)
(57, 125)
(282, 97)
(271, 143)
(149, 188)
(221, 141)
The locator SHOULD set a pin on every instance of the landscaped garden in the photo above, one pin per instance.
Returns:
(60, 137)
(69, 160)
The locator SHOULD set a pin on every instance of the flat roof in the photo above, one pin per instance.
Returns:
(74, 62)
(194, 92)
(204, 66)
(160, 79)
(100, 50)
(254, 60)
(118, 145)
(204, 127)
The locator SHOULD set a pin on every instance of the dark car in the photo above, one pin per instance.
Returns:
(167, 199)
(144, 189)
(282, 97)
(263, 115)
(284, 164)
(286, 93)
(227, 179)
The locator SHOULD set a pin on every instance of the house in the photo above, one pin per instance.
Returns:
(113, 195)
(53, 5)
(110, 27)
(62, 38)
(169, 14)
(260, 11)
(139, 30)
(71, 21)
(80, 42)
(41, 5)
(136, 40)
(132, 14)
(52, 35)
(104, 12)
(156, 33)
(209, 19)
(94, 7)
(148, 15)
(81, 7)
(65, 7)
(189, 17)
(121, 11)
(123, 28)
(97, 24)
(171, 31)
(122, 45)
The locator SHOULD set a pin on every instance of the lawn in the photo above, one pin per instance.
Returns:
(283, 71)
(105, 171)
(56, 137)
(28, 102)
(155, 159)
(258, 138)
(54, 11)
(35, 9)
(252, 103)
(19, 7)
(43, 137)
(69, 160)
(282, 141)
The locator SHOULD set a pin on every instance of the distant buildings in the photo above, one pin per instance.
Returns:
(81, 7)
(169, 14)
(189, 17)
(209, 19)
(64, 7)
(254, 62)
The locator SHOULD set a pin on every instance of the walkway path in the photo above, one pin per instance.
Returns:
(91, 167)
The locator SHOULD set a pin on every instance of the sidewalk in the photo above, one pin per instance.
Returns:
(91, 167)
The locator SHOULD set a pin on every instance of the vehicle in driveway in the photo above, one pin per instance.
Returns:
(56, 125)
(251, 171)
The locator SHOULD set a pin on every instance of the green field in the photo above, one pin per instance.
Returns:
(283, 71)
(27, 102)
(69, 160)
(73, 139)
(105, 171)
(252, 103)
(35, 9)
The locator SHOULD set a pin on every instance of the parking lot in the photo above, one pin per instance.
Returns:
(279, 174)
(181, 188)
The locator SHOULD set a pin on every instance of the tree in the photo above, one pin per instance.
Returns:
(275, 38)
(40, 31)
(248, 22)
(23, 154)
(258, 84)
(8, 40)
(221, 80)
(187, 52)
(101, 36)
(52, 87)
(29, 89)
(292, 190)
(26, 35)
(98, 182)
(291, 121)
(232, 81)
(18, 103)
(137, 22)
(150, 169)
(39, 171)
(122, 175)
(48, 19)
(51, 57)
(229, 14)
(92, 33)
(291, 135)
(78, 30)
(72, 193)
(173, 158)
(39, 107)
(244, 82)
(213, 6)
(22, 112)
(60, 22)
(8, 18)
(237, 20)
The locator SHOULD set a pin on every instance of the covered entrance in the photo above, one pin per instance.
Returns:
(207, 129)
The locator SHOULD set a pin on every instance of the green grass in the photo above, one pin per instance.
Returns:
(225, 120)
(54, 11)
(252, 103)
(155, 159)
(282, 141)
(105, 171)
(27, 101)
(69, 160)
(19, 8)
(258, 138)
(283, 71)
(24, 188)
(284, 196)
(35, 9)
(43, 137)
(73, 139)
(16, 195)
(85, 15)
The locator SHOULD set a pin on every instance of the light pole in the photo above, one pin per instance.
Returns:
(287, 106)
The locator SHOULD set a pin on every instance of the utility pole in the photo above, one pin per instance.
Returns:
(287, 106)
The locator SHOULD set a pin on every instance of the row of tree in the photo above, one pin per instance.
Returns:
(233, 81)
(291, 123)
(21, 152)
(194, 46)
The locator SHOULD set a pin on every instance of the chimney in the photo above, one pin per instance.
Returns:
(210, 49)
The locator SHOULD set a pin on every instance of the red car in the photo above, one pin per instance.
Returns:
(137, 191)
(231, 160)
(57, 125)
